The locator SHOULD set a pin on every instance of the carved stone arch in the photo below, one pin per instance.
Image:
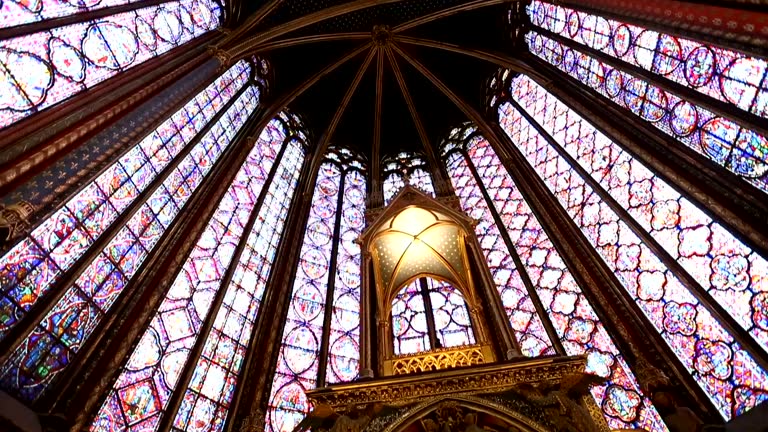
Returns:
(469, 405)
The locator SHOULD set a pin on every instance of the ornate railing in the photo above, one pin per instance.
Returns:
(438, 359)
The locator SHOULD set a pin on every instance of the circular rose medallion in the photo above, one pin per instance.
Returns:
(684, 119)
(622, 40)
(314, 263)
(699, 66)
(299, 349)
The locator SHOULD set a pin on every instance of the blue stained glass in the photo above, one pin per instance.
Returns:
(298, 362)
(742, 151)
(41, 69)
(177, 323)
(125, 252)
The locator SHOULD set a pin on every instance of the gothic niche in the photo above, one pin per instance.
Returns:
(428, 308)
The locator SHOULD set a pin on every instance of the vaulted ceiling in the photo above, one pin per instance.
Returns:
(377, 97)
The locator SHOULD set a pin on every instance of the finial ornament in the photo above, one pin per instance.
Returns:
(382, 35)
(222, 55)
(14, 219)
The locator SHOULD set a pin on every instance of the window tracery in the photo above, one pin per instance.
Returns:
(41, 69)
(428, 314)
(484, 187)
(406, 169)
(33, 267)
(140, 395)
(324, 310)
(718, 73)
(600, 172)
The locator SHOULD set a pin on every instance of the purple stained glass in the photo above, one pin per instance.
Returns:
(406, 169)
(526, 323)
(120, 259)
(344, 332)
(716, 72)
(723, 265)
(694, 335)
(299, 358)
(164, 348)
(209, 394)
(739, 150)
(41, 69)
(574, 320)
(409, 321)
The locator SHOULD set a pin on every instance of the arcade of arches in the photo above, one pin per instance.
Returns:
(383, 215)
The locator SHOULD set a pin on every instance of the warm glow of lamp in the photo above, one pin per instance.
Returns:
(418, 241)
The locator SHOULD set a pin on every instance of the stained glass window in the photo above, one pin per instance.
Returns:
(33, 266)
(325, 301)
(406, 169)
(477, 172)
(428, 314)
(139, 397)
(41, 69)
(16, 13)
(726, 268)
(716, 72)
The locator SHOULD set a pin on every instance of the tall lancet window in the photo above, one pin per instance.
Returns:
(39, 68)
(509, 233)
(221, 282)
(406, 169)
(131, 203)
(430, 314)
(606, 54)
(673, 260)
(322, 331)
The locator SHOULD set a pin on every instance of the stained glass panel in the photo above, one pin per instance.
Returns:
(298, 362)
(449, 311)
(344, 336)
(724, 371)
(15, 13)
(731, 272)
(208, 396)
(716, 72)
(406, 169)
(526, 323)
(338, 206)
(409, 320)
(42, 69)
(740, 150)
(141, 393)
(30, 269)
(577, 325)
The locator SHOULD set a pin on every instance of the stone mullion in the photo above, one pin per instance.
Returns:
(554, 338)
(249, 404)
(37, 141)
(429, 312)
(150, 284)
(724, 196)
(645, 351)
(182, 383)
(718, 24)
(336, 238)
(36, 313)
